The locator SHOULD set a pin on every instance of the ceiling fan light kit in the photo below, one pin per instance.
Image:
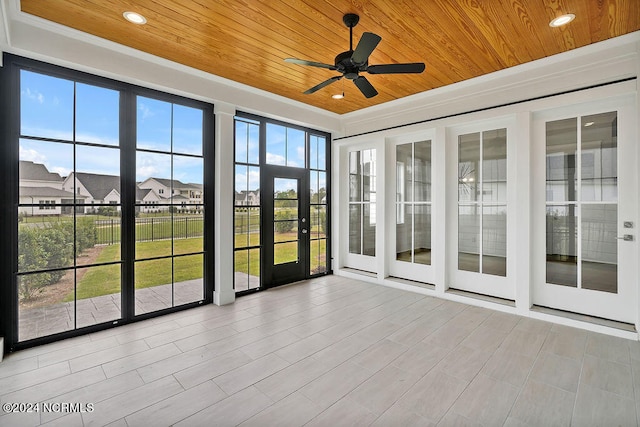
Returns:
(353, 62)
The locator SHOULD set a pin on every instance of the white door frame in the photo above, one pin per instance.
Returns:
(497, 286)
(622, 306)
(406, 270)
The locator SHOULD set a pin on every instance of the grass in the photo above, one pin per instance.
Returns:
(105, 280)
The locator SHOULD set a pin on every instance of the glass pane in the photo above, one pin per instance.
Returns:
(284, 231)
(247, 227)
(45, 244)
(241, 185)
(468, 159)
(494, 240)
(46, 106)
(276, 144)
(422, 171)
(369, 229)
(153, 171)
(188, 231)
(241, 141)
(469, 238)
(153, 285)
(318, 152)
(45, 304)
(188, 274)
(98, 294)
(403, 232)
(153, 236)
(562, 146)
(285, 188)
(600, 247)
(107, 231)
(319, 221)
(562, 243)
(355, 177)
(241, 227)
(494, 165)
(188, 179)
(285, 252)
(254, 268)
(241, 270)
(187, 130)
(313, 187)
(285, 209)
(97, 115)
(404, 173)
(355, 229)
(97, 239)
(296, 153)
(318, 256)
(600, 157)
(44, 168)
(322, 187)
(369, 175)
(97, 176)
(422, 234)
(153, 124)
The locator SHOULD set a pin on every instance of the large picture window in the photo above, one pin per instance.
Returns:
(110, 201)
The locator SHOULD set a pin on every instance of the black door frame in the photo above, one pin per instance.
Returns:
(275, 275)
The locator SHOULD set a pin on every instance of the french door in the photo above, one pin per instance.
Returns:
(586, 211)
(286, 225)
(482, 223)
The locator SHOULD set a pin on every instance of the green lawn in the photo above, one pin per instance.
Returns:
(105, 280)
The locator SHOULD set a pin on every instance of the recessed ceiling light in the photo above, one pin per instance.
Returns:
(562, 20)
(135, 18)
(338, 96)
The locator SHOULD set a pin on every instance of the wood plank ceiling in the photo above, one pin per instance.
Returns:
(247, 40)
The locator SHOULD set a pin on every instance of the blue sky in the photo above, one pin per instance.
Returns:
(47, 111)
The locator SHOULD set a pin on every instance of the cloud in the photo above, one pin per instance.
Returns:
(275, 159)
(32, 155)
(34, 95)
(146, 111)
(60, 170)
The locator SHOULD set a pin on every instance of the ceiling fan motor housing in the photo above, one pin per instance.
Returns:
(345, 65)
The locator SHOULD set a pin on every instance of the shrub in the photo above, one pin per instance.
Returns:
(283, 226)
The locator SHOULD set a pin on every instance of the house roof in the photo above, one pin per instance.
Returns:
(99, 185)
(37, 172)
(46, 192)
(176, 184)
(141, 193)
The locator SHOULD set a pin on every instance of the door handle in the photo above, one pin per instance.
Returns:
(627, 238)
(304, 231)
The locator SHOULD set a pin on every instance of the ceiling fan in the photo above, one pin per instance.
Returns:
(352, 62)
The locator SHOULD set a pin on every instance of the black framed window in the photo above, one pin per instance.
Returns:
(82, 221)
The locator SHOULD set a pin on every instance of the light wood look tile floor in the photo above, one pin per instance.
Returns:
(331, 352)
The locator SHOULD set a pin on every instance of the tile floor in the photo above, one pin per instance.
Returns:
(331, 352)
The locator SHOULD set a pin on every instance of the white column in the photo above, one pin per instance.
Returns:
(520, 239)
(224, 165)
(440, 213)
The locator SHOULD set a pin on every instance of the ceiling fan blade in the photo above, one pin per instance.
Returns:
(367, 43)
(311, 63)
(321, 85)
(365, 87)
(414, 67)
